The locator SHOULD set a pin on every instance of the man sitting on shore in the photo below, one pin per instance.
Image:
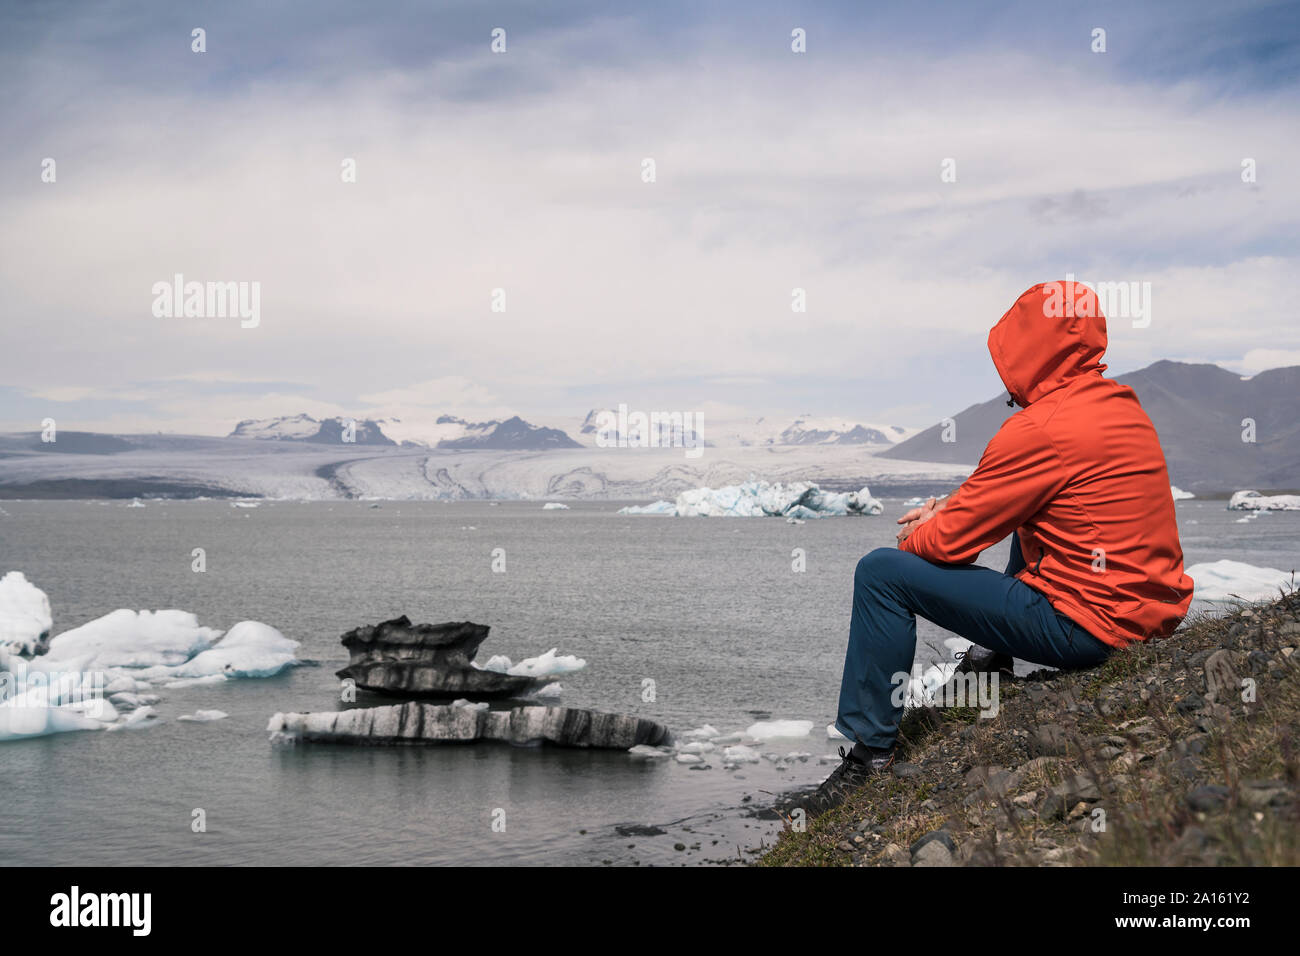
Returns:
(1078, 479)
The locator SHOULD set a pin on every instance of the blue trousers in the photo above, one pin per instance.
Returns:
(891, 587)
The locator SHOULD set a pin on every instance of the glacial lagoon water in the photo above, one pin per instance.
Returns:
(710, 610)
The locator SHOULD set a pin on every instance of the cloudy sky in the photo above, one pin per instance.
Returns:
(523, 171)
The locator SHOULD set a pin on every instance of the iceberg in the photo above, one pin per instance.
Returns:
(655, 508)
(554, 506)
(92, 671)
(1228, 580)
(740, 754)
(1254, 501)
(547, 665)
(418, 722)
(203, 716)
(137, 719)
(249, 649)
(169, 647)
(34, 703)
(651, 753)
(757, 499)
(1179, 494)
(772, 729)
(705, 732)
(25, 619)
(437, 660)
(133, 639)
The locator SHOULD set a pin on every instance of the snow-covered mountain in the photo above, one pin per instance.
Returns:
(428, 434)
(306, 428)
(604, 426)
(446, 431)
(804, 430)
(756, 432)
(837, 431)
(514, 433)
(286, 427)
(629, 430)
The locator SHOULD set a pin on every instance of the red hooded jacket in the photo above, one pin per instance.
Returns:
(1078, 474)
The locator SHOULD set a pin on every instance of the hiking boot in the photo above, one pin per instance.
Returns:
(981, 660)
(855, 767)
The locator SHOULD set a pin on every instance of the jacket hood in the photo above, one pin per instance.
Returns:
(1053, 334)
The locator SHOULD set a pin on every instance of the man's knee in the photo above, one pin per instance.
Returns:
(880, 565)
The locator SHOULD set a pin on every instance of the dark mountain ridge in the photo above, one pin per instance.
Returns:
(1201, 413)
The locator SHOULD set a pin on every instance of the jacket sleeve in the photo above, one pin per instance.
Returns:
(1018, 474)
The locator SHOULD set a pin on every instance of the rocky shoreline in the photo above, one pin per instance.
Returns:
(1184, 752)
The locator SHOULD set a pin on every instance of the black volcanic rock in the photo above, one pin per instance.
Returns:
(517, 434)
(1198, 412)
(427, 660)
(417, 722)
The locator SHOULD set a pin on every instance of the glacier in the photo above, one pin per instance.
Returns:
(295, 470)
(756, 499)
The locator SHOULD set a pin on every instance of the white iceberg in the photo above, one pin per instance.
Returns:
(554, 506)
(1179, 494)
(126, 638)
(1254, 501)
(697, 747)
(757, 499)
(652, 753)
(547, 665)
(137, 719)
(656, 508)
(34, 703)
(18, 723)
(169, 646)
(25, 619)
(469, 704)
(1234, 580)
(706, 732)
(771, 729)
(740, 754)
(203, 716)
(249, 649)
(120, 655)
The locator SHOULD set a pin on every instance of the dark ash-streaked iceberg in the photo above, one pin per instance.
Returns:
(419, 722)
(437, 660)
